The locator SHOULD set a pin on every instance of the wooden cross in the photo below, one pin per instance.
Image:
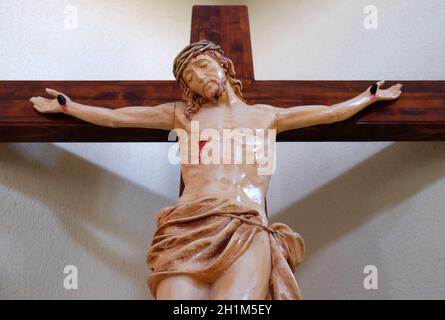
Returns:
(418, 115)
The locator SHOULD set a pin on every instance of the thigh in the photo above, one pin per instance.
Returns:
(182, 288)
(248, 277)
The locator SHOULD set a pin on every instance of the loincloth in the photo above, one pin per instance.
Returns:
(204, 237)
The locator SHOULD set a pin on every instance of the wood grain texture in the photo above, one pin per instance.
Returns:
(419, 115)
(227, 26)
(20, 122)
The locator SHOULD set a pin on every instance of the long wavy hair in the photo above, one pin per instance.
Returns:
(194, 101)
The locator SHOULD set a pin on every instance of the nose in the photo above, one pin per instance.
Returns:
(201, 77)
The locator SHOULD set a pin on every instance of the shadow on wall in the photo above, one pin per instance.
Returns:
(61, 175)
(384, 180)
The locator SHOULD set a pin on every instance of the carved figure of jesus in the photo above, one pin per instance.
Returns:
(215, 242)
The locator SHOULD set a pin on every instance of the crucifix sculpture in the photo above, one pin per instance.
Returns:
(216, 242)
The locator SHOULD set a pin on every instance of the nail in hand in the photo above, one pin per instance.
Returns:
(374, 88)
(61, 99)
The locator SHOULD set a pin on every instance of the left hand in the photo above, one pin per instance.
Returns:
(391, 93)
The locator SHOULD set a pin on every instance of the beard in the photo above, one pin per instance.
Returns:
(214, 89)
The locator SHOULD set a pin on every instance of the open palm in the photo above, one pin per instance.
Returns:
(45, 105)
(391, 93)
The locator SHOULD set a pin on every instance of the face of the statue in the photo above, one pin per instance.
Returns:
(204, 76)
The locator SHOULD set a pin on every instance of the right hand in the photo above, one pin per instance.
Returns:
(391, 93)
(44, 105)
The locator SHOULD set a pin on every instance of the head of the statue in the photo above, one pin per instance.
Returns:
(203, 71)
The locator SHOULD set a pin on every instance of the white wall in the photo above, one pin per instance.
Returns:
(94, 205)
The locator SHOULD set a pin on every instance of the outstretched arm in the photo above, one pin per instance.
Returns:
(159, 117)
(307, 116)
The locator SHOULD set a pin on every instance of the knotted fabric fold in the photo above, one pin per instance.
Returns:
(204, 237)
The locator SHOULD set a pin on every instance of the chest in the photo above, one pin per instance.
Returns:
(236, 117)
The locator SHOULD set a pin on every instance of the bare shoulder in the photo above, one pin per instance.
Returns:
(167, 109)
(265, 108)
(168, 106)
(180, 105)
(181, 120)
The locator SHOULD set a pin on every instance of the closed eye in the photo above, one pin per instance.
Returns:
(204, 64)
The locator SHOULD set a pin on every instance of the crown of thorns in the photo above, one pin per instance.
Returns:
(192, 50)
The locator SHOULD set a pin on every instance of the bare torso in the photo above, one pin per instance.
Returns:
(248, 277)
(241, 181)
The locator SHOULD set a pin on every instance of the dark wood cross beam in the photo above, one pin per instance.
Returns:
(418, 115)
